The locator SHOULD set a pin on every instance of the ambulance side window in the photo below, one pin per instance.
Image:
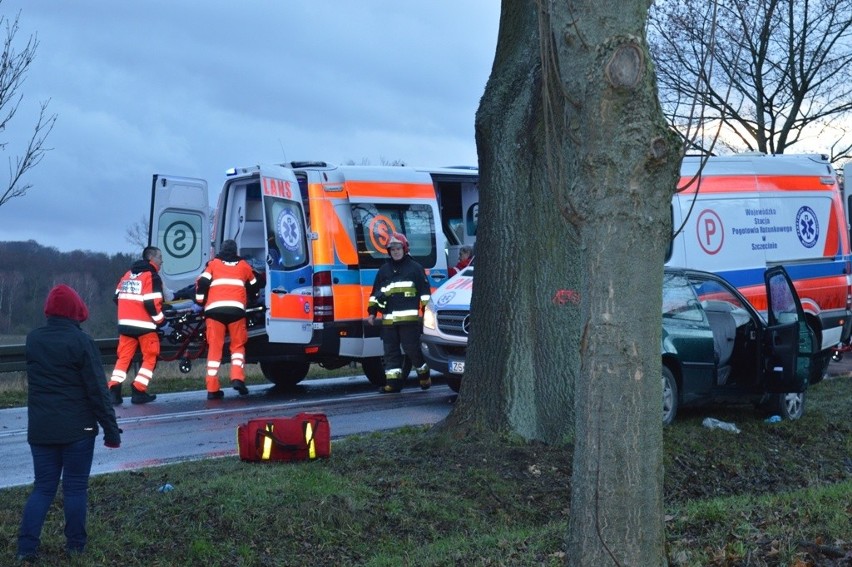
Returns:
(374, 223)
(287, 245)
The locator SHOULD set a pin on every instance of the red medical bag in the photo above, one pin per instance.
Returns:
(302, 437)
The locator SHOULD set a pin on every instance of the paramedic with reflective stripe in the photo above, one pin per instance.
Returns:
(139, 296)
(224, 288)
(399, 293)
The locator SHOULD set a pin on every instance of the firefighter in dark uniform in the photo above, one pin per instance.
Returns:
(399, 293)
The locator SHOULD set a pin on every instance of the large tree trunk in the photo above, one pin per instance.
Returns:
(577, 173)
(623, 165)
(522, 358)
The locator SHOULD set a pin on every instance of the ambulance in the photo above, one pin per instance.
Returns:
(316, 234)
(735, 216)
(738, 215)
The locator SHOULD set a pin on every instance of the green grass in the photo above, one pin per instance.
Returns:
(775, 495)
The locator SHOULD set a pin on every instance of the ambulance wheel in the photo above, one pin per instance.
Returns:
(285, 373)
(374, 369)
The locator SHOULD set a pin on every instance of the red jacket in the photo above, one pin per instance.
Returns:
(139, 296)
(459, 267)
(224, 287)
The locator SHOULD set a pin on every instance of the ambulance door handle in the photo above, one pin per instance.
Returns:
(279, 291)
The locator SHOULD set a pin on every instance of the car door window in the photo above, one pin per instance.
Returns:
(716, 297)
(679, 301)
(783, 306)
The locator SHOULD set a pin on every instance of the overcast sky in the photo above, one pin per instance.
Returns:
(193, 87)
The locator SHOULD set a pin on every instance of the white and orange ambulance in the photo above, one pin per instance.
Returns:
(317, 233)
(737, 215)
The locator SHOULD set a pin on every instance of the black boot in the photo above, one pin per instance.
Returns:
(424, 377)
(139, 397)
(240, 386)
(115, 394)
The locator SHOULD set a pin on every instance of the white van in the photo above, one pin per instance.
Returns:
(446, 325)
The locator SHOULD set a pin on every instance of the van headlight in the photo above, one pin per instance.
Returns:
(429, 318)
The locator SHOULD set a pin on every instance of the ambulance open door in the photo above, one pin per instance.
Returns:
(289, 286)
(180, 226)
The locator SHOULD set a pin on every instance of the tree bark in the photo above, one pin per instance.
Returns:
(623, 166)
(577, 172)
(522, 357)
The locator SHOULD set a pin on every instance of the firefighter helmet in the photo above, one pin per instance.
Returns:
(398, 238)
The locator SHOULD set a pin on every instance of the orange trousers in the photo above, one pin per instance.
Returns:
(149, 344)
(215, 331)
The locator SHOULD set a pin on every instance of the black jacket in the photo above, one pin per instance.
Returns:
(399, 292)
(67, 394)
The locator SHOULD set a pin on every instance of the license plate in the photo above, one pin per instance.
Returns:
(457, 367)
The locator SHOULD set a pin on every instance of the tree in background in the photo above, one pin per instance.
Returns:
(765, 74)
(577, 172)
(137, 233)
(28, 271)
(13, 70)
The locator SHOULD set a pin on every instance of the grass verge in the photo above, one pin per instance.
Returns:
(777, 494)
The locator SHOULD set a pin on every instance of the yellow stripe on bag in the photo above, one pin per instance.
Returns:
(267, 443)
(309, 439)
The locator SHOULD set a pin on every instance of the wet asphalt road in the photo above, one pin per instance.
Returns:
(186, 426)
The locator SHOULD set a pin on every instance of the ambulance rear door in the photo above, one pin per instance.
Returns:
(289, 291)
(180, 226)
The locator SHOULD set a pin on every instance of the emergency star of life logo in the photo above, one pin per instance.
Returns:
(446, 298)
(807, 227)
(288, 230)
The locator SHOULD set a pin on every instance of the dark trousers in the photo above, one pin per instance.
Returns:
(405, 337)
(71, 462)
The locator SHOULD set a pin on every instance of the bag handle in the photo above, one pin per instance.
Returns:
(269, 439)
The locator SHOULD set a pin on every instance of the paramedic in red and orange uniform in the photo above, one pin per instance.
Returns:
(139, 296)
(224, 288)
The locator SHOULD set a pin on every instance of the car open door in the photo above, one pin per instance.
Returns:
(789, 342)
(180, 227)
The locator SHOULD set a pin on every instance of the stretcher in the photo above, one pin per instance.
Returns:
(182, 337)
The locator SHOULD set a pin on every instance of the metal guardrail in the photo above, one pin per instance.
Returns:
(13, 357)
(185, 342)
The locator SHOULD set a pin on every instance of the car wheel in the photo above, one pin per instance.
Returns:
(790, 406)
(669, 396)
(454, 382)
(286, 374)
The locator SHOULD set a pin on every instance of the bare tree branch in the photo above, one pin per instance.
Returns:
(779, 69)
(13, 68)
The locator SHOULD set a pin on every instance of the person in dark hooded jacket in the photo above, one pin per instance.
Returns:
(139, 296)
(67, 399)
(223, 288)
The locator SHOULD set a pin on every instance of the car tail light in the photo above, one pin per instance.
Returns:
(323, 298)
